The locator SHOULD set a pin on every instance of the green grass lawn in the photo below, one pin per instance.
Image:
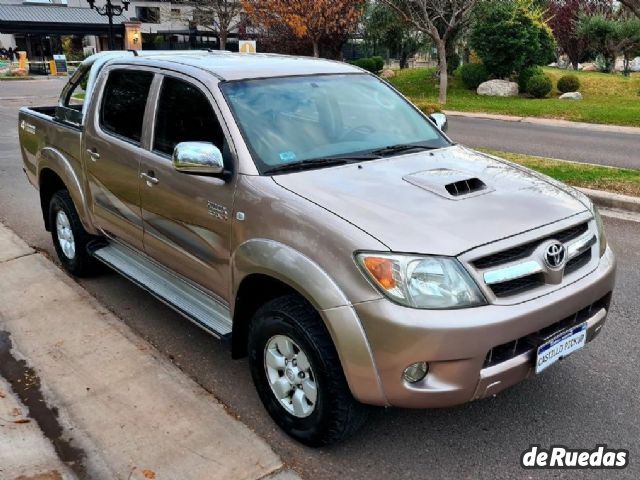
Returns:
(609, 99)
(616, 180)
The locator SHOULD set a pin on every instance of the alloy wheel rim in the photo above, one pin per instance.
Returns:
(290, 376)
(65, 235)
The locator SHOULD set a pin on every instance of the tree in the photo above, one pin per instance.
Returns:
(632, 5)
(441, 20)
(611, 36)
(512, 36)
(312, 20)
(222, 16)
(563, 16)
(383, 26)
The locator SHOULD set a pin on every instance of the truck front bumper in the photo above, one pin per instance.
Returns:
(477, 352)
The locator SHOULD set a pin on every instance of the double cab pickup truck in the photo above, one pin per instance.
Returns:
(311, 216)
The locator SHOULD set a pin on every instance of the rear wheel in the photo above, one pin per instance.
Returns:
(69, 236)
(298, 374)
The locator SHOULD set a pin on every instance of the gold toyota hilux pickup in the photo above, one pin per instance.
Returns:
(309, 214)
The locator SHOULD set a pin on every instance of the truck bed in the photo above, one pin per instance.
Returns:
(39, 127)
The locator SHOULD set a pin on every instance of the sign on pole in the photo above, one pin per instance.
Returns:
(247, 46)
(61, 64)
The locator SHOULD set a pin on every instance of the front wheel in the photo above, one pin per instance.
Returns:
(298, 374)
(69, 236)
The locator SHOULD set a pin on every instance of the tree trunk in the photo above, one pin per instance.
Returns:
(444, 76)
(223, 40)
(404, 57)
(316, 48)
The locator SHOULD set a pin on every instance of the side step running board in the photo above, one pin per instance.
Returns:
(189, 301)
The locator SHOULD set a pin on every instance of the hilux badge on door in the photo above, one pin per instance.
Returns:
(218, 211)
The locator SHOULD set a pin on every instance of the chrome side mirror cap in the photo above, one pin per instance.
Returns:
(202, 158)
(440, 119)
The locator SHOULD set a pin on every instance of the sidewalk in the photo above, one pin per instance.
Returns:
(111, 406)
(551, 122)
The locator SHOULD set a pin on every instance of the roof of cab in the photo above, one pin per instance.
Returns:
(240, 66)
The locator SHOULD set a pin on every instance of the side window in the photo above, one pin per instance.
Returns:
(124, 101)
(75, 99)
(184, 114)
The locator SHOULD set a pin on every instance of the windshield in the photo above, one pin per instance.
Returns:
(296, 120)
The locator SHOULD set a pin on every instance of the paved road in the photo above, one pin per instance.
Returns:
(577, 144)
(593, 397)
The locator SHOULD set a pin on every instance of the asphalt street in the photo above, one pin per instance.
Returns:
(615, 149)
(590, 398)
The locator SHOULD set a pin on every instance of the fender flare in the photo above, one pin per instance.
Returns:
(288, 265)
(52, 159)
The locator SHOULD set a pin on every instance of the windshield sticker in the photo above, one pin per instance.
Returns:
(287, 156)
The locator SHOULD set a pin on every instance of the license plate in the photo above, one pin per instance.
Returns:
(559, 347)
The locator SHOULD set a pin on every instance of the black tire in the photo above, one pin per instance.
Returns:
(81, 264)
(336, 415)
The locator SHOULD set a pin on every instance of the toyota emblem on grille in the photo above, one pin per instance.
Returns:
(555, 255)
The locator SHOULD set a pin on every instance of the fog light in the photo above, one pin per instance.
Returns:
(416, 372)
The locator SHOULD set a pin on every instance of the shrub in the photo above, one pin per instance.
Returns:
(366, 64)
(379, 63)
(526, 74)
(568, 83)
(510, 36)
(539, 86)
(473, 74)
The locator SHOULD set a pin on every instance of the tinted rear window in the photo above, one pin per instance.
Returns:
(123, 103)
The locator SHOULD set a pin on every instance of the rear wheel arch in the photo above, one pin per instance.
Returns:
(57, 172)
(49, 183)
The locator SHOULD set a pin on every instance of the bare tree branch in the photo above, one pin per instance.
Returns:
(441, 20)
(222, 16)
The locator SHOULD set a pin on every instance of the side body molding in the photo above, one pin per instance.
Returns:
(277, 260)
(71, 174)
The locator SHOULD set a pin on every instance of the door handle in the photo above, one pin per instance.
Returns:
(149, 178)
(93, 155)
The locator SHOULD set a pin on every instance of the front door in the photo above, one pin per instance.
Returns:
(186, 216)
(112, 153)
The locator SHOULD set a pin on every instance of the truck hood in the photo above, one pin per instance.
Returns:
(443, 202)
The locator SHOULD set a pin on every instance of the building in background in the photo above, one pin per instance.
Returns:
(43, 28)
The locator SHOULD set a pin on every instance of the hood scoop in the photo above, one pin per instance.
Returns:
(451, 184)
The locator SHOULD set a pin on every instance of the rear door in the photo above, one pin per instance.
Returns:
(186, 216)
(113, 146)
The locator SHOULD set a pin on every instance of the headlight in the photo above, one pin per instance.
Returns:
(602, 238)
(421, 281)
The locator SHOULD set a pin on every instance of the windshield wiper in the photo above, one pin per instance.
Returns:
(320, 162)
(402, 148)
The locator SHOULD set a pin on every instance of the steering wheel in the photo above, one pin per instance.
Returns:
(360, 130)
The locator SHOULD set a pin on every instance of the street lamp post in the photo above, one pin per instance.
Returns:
(109, 10)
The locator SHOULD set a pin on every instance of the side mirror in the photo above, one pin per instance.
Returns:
(198, 157)
(440, 119)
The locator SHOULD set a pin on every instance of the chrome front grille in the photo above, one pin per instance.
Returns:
(514, 273)
(519, 285)
(523, 251)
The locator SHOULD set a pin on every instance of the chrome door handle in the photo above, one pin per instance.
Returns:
(149, 178)
(93, 155)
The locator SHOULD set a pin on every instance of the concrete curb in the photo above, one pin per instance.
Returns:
(613, 200)
(547, 121)
(127, 410)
